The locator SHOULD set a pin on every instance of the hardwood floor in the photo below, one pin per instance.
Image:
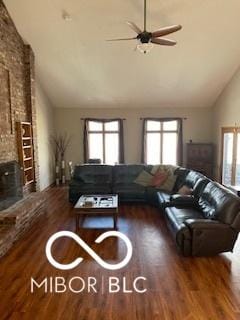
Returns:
(177, 287)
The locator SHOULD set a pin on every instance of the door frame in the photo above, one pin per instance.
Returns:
(235, 131)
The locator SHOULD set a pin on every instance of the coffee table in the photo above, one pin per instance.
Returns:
(106, 204)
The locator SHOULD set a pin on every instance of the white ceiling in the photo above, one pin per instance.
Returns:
(78, 68)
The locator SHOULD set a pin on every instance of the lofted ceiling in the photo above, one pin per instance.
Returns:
(78, 68)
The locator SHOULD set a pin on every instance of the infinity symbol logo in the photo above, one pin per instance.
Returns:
(83, 244)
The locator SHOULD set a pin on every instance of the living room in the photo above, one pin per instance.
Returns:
(137, 141)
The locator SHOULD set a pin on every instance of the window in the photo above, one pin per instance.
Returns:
(103, 140)
(162, 141)
(231, 156)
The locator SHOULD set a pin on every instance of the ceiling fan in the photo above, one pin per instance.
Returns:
(147, 39)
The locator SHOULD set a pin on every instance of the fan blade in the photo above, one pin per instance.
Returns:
(165, 31)
(122, 39)
(134, 27)
(164, 42)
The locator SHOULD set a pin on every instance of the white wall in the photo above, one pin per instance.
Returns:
(44, 130)
(197, 127)
(226, 113)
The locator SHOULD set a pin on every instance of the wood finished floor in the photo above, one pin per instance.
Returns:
(177, 287)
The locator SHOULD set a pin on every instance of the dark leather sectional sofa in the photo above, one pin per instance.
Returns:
(204, 224)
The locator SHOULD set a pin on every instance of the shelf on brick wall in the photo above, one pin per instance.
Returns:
(29, 182)
(25, 151)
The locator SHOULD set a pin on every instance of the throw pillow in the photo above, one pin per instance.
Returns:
(168, 185)
(159, 178)
(144, 179)
(185, 191)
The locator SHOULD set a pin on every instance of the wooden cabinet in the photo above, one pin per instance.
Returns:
(200, 157)
(25, 151)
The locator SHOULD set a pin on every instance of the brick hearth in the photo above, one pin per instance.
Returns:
(15, 220)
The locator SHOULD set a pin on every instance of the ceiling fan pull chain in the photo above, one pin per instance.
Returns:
(145, 15)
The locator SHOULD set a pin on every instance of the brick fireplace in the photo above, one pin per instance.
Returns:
(11, 189)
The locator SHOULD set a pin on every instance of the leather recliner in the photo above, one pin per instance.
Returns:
(206, 224)
(209, 227)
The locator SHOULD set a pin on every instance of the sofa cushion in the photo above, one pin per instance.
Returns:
(144, 179)
(199, 187)
(219, 203)
(75, 184)
(163, 195)
(181, 174)
(180, 201)
(129, 191)
(185, 191)
(148, 167)
(192, 178)
(179, 215)
(176, 220)
(163, 198)
(93, 173)
(195, 181)
(126, 173)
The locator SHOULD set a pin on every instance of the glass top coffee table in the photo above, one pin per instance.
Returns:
(97, 205)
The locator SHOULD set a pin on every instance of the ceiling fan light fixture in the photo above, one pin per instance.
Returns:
(145, 47)
(66, 16)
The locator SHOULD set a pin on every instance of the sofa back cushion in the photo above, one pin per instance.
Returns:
(199, 187)
(126, 173)
(181, 174)
(219, 203)
(192, 178)
(91, 173)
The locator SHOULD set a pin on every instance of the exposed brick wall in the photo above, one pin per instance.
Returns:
(15, 220)
(31, 105)
(17, 60)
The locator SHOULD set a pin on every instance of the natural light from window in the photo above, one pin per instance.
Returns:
(231, 156)
(161, 142)
(103, 141)
(227, 158)
(237, 178)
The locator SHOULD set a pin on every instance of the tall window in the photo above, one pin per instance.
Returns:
(231, 156)
(162, 141)
(103, 139)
